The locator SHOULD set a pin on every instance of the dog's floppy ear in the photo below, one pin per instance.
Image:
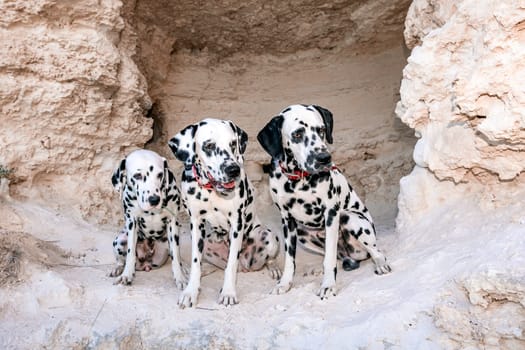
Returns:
(328, 122)
(270, 137)
(165, 181)
(118, 179)
(242, 139)
(183, 146)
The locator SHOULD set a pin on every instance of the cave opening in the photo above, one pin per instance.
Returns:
(246, 61)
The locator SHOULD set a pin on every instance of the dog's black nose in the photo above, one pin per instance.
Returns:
(324, 158)
(232, 170)
(154, 200)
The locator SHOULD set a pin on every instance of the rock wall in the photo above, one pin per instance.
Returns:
(462, 94)
(84, 82)
(72, 100)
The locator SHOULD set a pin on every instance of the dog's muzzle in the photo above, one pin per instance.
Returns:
(319, 162)
(324, 159)
(221, 187)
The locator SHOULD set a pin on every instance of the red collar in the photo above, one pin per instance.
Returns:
(207, 186)
(297, 175)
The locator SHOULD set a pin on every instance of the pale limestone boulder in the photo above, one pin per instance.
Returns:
(462, 90)
(462, 93)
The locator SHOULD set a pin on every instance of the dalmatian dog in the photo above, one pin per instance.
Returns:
(151, 202)
(151, 253)
(318, 206)
(220, 201)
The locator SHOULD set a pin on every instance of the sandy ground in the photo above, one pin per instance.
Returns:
(73, 304)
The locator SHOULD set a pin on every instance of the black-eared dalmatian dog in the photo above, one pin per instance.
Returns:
(217, 192)
(151, 202)
(318, 206)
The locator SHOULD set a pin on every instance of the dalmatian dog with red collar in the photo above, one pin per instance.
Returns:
(151, 202)
(318, 206)
(220, 201)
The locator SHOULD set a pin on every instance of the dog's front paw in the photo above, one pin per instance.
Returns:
(281, 287)
(228, 298)
(117, 271)
(327, 291)
(188, 298)
(124, 279)
(275, 271)
(382, 269)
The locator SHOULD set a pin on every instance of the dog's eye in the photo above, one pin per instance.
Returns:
(208, 147)
(159, 176)
(233, 145)
(137, 176)
(321, 132)
(298, 134)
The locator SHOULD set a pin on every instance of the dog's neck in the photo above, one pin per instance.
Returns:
(290, 168)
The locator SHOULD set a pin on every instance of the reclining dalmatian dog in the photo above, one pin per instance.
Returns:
(318, 206)
(151, 202)
(220, 201)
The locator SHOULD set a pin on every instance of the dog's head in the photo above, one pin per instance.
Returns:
(146, 174)
(299, 133)
(215, 147)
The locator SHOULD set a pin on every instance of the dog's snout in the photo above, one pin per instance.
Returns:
(324, 158)
(154, 200)
(232, 170)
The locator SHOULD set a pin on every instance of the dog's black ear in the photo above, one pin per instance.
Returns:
(118, 179)
(168, 176)
(183, 146)
(165, 181)
(243, 139)
(328, 120)
(270, 137)
(242, 136)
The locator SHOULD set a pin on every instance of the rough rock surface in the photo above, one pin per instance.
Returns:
(462, 88)
(462, 93)
(491, 311)
(72, 100)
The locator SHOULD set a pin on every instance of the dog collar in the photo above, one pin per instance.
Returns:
(207, 186)
(297, 175)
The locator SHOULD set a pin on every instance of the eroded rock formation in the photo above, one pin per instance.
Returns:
(462, 93)
(72, 100)
(462, 88)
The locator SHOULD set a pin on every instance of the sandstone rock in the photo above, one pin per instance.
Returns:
(462, 89)
(462, 94)
(72, 99)
(494, 317)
